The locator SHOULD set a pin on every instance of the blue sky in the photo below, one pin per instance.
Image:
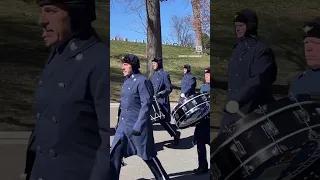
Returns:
(125, 23)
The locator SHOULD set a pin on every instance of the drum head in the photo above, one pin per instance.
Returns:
(192, 110)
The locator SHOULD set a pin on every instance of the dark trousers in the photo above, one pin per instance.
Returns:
(202, 154)
(115, 166)
(168, 127)
(202, 137)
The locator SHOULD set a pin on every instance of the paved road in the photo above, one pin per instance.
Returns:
(178, 162)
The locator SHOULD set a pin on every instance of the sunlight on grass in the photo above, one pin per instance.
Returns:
(172, 63)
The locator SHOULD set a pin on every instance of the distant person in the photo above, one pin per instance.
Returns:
(252, 68)
(188, 84)
(162, 89)
(202, 132)
(307, 82)
(134, 133)
(71, 139)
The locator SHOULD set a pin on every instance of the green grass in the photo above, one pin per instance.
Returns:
(23, 55)
(172, 63)
(280, 25)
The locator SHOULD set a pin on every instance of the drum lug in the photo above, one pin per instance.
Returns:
(270, 129)
(313, 134)
(215, 171)
(230, 130)
(302, 115)
(238, 149)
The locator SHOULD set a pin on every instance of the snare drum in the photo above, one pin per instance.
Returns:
(156, 113)
(262, 144)
(192, 110)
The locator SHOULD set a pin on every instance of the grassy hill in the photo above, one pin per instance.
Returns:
(23, 55)
(172, 63)
(280, 25)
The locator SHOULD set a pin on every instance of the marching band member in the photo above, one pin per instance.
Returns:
(162, 89)
(72, 101)
(307, 82)
(252, 69)
(188, 83)
(134, 133)
(202, 132)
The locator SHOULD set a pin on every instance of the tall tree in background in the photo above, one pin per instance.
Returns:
(181, 31)
(196, 9)
(154, 41)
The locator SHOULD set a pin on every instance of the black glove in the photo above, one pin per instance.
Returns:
(136, 133)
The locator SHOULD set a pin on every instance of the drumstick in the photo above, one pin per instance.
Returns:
(233, 107)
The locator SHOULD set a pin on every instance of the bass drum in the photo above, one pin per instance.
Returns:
(190, 112)
(262, 144)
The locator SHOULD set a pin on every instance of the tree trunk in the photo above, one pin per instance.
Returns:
(197, 22)
(154, 41)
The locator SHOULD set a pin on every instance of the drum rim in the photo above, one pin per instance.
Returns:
(201, 94)
(188, 111)
(270, 145)
(260, 119)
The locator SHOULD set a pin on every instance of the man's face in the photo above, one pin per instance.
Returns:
(312, 51)
(155, 65)
(55, 23)
(241, 29)
(207, 77)
(127, 69)
(185, 70)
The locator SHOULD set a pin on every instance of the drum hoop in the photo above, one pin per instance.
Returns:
(258, 121)
(185, 115)
(189, 101)
(188, 110)
(270, 145)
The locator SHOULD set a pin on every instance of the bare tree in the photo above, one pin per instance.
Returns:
(205, 15)
(182, 31)
(154, 42)
(197, 21)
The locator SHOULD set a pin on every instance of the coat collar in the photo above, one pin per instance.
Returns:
(74, 46)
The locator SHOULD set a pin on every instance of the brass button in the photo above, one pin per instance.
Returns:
(61, 86)
(39, 149)
(53, 153)
(54, 120)
(38, 115)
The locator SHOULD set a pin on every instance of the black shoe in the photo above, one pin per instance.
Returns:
(200, 171)
(176, 138)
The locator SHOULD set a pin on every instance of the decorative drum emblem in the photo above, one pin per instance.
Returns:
(184, 109)
(302, 115)
(204, 98)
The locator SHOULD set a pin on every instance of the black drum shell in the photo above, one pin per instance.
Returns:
(292, 132)
(192, 111)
